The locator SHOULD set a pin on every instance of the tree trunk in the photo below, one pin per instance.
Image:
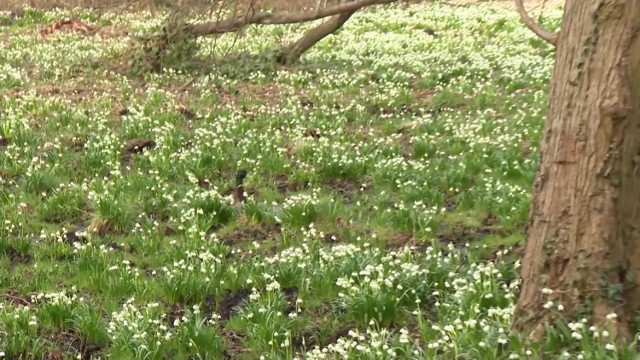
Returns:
(294, 51)
(583, 238)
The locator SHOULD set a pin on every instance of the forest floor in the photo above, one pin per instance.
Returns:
(389, 177)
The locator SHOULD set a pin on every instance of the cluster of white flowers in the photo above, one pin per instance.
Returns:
(374, 343)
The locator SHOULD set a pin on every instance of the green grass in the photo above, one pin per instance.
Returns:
(389, 178)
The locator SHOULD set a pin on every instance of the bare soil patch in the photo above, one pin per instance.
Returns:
(73, 143)
(69, 344)
(290, 295)
(75, 93)
(247, 235)
(265, 93)
(347, 187)
(400, 240)
(16, 257)
(136, 146)
(459, 234)
(68, 24)
(71, 237)
(308, 339)
(230, 302)
(175, 313)
(235, 347)
(285, 185)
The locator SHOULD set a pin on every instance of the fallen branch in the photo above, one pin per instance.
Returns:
(279, 18)
(293, 52)
(551, 38)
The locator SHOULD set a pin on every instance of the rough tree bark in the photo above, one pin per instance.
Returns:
(293, 52)
(583, 239)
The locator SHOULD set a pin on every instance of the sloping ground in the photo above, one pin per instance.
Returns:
(388, 185)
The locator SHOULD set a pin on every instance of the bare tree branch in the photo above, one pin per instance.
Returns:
(549, 37)
(265, 18)
(293, 52)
